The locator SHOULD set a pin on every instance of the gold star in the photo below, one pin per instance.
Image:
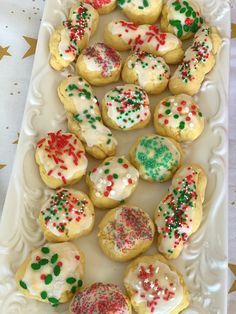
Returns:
(232, 267)
(16, 141)
(4, 52)
(2, 166)
(233, 30)
(32, 43)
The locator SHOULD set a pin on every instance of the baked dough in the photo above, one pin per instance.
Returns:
(125, 232)
(61, 159)
(148, 71)
(179, 117)
(102, 6)
(123, 35)
(182, 18)
(126, 108)
(99, 64)
(66, 215)
(100, 298)
(51, 273)
(199, 59)
(179, 214)
(155, 287)
(112, 182)
(67, 41)
(84, 117)
(141, 11)
(156, 157)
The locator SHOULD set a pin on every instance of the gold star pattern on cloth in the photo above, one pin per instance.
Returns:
(2, 166)
(232, 267)
(16, 141)
(233, 30)
(32, 43)
(4, 52)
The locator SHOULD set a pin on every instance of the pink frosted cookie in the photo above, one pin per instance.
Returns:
(99, 64)
(102, 6)
(100, 298)
(123, 35)
(125, 232)
(61, 159)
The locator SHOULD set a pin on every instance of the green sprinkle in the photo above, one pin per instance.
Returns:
(56, 270)
(43, 261)
(23, 284)
(45, 250)
(48, 279)
(182, 125)
(53, 300)
(43, 295)
(70, 280)
(73, 289)
(35, 266)
(54, 258)
(115, 176)
(80, 283)
(120, 160)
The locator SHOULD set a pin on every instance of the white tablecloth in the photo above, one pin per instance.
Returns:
(19, 24)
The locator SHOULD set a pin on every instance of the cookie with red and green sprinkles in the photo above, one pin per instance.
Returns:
(125, 232)
(61, 159)
(99, 64)
(179, 214)
(146, 70)
(52, 273)
(141, 11)
(179, 117)
(100, 298)
(66, 215)
(156, 157)
(68, 40)
(102, 6)
(126, 108)
(111, 182)
(182, 18)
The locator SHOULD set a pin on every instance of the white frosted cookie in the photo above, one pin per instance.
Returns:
(112, 182)
(51, 273)
(84, 117)
(179, 117)
(102, 6)
(123, 35)
(99, 64)
(67, 41)
(66, 215)
(155, 287)
(156, 157)
(61, 159)
(125, 232)
(141, 11)
(199, 59)
(100, 298)
(126, 108)
(179, 214)
(148, 71)
(182, 18)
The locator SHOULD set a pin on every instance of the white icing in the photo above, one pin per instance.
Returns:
(120, 187)
(152, 69)
(100, 135)
(155, 283)
(64, 45)
(137, 5)
(71, 268)
(132, 112)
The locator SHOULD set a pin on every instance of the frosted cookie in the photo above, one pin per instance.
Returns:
(84, 117)
(67, 41)
(155, 287)
(100, 298)
(125, 232)
(179, 214)
(66, 215)
(123, 35)
(141, 11)
(179, 117)
(99, 64)
(126, 108)
(61, 159)
(52, 273)
(102, 6)
(156, 157)
(112, 182)
(148, 71)
(199, 59)
(182, 18)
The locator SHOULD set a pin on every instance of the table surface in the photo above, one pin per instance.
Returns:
(17, 47)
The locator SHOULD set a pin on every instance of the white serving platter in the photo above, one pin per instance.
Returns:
(204, 258)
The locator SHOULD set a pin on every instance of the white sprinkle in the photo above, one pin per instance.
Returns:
(112, 192)
(128, 176)
(191, 125)
(97, 194)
